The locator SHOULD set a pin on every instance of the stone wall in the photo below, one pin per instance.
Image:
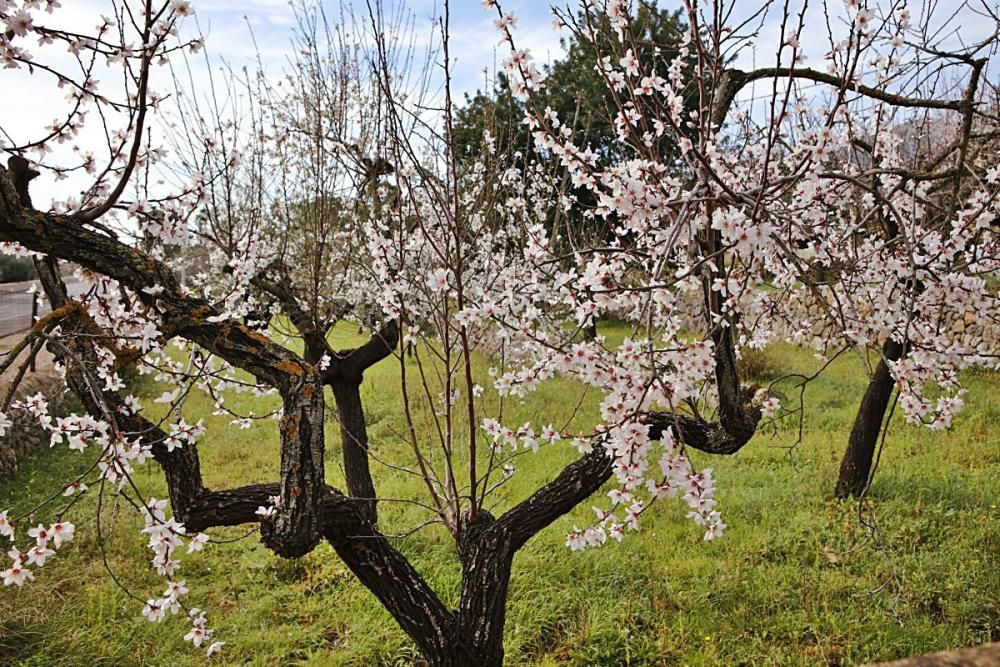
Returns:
(987, 655)
(25, 437)
(801, 317)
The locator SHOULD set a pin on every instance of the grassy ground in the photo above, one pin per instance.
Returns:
(782, 588)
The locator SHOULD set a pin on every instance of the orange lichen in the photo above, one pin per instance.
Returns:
(290, 426)
(291, 367)
(308, 392)
(257, 336)
(126, 357)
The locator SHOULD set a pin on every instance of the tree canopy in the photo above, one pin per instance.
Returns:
(724, 227)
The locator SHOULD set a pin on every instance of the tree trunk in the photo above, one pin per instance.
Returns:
(399, 587)
(856, 466)
(354, 439)
(472, 636)
(487, 556)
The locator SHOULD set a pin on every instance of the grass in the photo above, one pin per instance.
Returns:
(784, 586)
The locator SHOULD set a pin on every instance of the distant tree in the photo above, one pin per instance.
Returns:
(581, 96)
(940, 147)
(574, 89)
(16, 269)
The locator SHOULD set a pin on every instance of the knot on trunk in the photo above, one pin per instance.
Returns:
(287, 540)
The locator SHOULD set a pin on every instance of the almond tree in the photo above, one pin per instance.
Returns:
(773, 208)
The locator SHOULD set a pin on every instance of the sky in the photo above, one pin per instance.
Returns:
(237, 32)
(474, 39)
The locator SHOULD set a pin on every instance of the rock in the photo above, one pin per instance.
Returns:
(25, 436)
(987, 655)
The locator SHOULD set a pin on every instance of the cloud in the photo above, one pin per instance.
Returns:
(251, 31)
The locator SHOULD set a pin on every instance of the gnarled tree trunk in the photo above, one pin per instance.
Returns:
(472, 635)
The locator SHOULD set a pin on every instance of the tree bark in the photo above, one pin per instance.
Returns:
(354, 440)
(856, 466)
(344, 377)
(487, 556)
(393, 580)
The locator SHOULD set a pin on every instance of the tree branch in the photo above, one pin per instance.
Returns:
(573, 485)
(742, 78)
(296, 524)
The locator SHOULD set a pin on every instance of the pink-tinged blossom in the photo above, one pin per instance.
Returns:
(197, 543)
(74, 488)
(196, 635)
(6, 526)
(19, 23)
(154, 610)
(770, 407)
(37, 554)
(17, 575)
(61, 531)
(41, 534)
(182, 7)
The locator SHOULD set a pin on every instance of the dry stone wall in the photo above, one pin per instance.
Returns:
(26, 437)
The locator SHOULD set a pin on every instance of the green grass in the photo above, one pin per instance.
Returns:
(779, 589)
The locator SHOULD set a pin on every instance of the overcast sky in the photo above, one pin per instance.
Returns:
(473, 36)
(227, 25)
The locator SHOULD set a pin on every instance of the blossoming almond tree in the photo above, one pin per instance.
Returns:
(812, 197)
(824, 161)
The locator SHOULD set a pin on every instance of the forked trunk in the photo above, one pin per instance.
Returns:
(471, 636)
